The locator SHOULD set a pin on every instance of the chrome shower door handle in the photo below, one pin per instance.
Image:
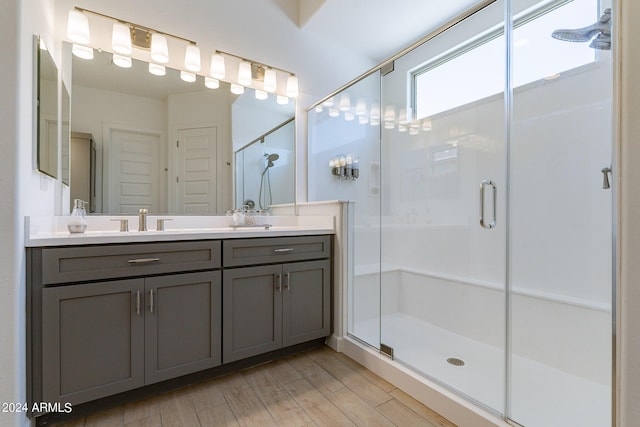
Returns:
(483, 221)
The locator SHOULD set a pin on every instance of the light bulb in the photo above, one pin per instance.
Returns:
(402, 116)
(121, 39)
(361, 107)
(282, 100)
(216, 68)
(375, 112)
(84, 52)
(187, 76)
(334, 112)
(292, 86)
(159, 48)
(157, 69)
(363, 120)
(348, 116)
(192, 58)
(244, 73)
(270, 80)
(211, 83)
(389, 113)
(345, 102)
(329, 102)
(78, 27)
(319, 108)
(121, 61)
(261, 94)
(237, 89)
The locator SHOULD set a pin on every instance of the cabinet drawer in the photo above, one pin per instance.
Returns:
(239, 252)
(76, 264)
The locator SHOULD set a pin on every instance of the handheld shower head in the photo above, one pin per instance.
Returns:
(270, 158)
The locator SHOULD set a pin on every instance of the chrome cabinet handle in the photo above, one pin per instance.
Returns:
(151, 300)
(483, 222)
(279, 283)
(138, 303)
(283, 250)
(142, 260)
(287, 284)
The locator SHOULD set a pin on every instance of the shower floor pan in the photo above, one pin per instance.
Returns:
(542, 396)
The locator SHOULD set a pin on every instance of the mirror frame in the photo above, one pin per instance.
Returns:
(45, 149)
(65, 135)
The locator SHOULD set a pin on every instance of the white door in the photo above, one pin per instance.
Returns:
(197, 171)
(134, 172)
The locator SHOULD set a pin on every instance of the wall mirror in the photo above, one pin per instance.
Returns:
(162, 143)
(46, 110)
(264, 168)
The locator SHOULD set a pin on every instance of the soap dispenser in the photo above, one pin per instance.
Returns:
(77, 223)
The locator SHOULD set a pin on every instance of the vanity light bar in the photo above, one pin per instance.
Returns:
(127, 35)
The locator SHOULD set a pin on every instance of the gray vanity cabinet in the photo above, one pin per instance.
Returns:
(104, 338)
(182, 324)
(306, 301)
(105, 319)
(92, 340)
(118, 317)
(267, 307)
(252, 323)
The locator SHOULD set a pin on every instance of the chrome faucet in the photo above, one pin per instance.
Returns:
(142, 219)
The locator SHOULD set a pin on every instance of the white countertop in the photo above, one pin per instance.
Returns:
(52, 231)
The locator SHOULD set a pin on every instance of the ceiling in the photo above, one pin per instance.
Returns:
(380, 28)
(327, 43)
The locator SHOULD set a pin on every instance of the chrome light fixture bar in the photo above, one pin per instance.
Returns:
(127, 35)
(249, 70)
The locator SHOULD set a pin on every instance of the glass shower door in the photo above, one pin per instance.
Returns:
(344, 136)
(443, 229)
(560, 243)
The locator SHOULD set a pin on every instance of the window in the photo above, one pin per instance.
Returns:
(476, 70)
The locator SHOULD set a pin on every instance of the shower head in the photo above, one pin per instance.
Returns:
(585, 34)
(270, 158)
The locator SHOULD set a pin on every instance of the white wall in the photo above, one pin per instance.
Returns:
(23, 190)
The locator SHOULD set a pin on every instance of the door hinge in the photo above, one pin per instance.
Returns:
(177, 179)
(177, 144)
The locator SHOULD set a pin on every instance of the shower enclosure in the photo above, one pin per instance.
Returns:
(264, 169)
(483, 224)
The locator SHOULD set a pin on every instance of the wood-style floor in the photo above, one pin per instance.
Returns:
(316, 388)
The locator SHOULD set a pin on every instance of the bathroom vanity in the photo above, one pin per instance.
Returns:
(113, 316)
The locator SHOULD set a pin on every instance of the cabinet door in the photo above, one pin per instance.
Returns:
(306, 301)
(93, 340)
(252, 315)
(182, 324)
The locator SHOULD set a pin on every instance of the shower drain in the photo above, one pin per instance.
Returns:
(455, 361)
